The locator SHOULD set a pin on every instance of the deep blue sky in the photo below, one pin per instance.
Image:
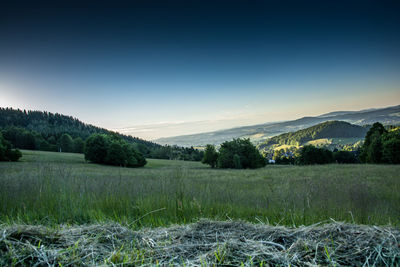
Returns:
(159, 68)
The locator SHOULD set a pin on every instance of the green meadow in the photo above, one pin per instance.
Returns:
(50, 188)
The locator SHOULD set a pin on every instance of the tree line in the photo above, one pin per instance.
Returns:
(381, 145)
(37, 130)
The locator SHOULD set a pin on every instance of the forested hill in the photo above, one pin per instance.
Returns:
(329, 129)
(41, 130)
(47, 123)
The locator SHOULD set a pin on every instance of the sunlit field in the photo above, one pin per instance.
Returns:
(52, 188)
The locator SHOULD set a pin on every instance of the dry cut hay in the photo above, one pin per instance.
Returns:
(201, 244)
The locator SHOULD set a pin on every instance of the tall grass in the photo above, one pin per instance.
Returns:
(53, 188)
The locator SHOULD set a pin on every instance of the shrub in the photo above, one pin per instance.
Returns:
(6, 153)
(344, 157)
(236, 161)
(66, 143)
(141, 161)
(112, 150)
(2, 149)
(210, 156)
(131, 157)
(285, 160)
(312, 155)
(240, 153)
(371, 151)
(381, 146)
(79, 145)
(116, 155)
(283, 157)
(13, 154)
(391, 151)
(96, 148)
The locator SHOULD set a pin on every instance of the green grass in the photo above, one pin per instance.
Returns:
(52, 188)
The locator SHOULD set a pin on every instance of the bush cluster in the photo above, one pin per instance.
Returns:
(343, 156)
(314, 155)
(309, 155)
(6, 153)
(381, 145)
(112, 150)
(235, 154)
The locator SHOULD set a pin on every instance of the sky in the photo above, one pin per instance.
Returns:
(164, 68)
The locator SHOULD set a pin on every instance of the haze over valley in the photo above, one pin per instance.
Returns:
(261, 132)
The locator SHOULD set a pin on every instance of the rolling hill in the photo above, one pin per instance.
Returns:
(47, 123)
(41, 130)
(330, 133)
(261, 132)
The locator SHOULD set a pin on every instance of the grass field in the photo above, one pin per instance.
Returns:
(50, 188)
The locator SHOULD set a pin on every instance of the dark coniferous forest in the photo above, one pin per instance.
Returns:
(41, 130)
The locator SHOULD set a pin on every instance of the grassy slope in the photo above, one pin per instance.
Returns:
(52, 188)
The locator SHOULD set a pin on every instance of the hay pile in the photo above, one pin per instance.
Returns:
(201, 244)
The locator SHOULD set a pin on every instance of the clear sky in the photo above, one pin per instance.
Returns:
(162, 68)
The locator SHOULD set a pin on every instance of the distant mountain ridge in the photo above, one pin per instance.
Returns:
(261, 132)
(335, 113)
